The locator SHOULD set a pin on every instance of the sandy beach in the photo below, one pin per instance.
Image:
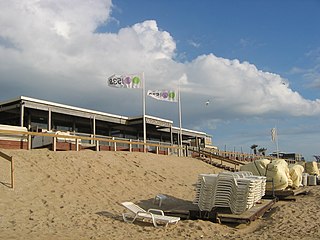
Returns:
(76, 195)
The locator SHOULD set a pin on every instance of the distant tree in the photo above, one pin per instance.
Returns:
(254, 148)
(262, 151)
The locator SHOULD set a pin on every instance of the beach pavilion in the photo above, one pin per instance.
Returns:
(39, 115)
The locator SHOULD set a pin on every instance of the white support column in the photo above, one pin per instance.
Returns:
(21, 114)
(97, 145)
(115, 145)
(29, 122)
(93, 128)
(77, 144)
(49, 119)
(130, 145)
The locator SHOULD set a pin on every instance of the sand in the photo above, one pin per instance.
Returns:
(76, 195)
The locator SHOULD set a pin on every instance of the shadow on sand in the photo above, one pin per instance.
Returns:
(169, 204)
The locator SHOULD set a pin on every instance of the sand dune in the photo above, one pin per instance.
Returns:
(76, 195)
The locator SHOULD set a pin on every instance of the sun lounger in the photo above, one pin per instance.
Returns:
(155, 215)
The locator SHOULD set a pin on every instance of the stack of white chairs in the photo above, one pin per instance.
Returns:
(238, 191)
(205, 190)
(260, 187)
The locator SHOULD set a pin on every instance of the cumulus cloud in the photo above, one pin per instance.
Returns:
(51, 49)
(245, 90)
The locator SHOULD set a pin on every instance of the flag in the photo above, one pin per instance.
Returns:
(126, 81)
(273, 134)
(164, 95)
(317, 158)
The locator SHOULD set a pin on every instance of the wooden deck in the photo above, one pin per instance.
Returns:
(224, 215)
(248, 216)
(287, 194)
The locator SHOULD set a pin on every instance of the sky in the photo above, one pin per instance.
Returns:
(256, 61)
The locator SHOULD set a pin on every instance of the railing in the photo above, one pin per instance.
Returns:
(214, 155)
(244, 157)
(10, 159)
(97, 142)
(241, 158)
(115, 144)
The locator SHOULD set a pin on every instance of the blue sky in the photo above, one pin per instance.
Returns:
(257, 62)
(275, 36)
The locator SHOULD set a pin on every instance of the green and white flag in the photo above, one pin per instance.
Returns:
(273, 134)
(164, 95)
(125, 81)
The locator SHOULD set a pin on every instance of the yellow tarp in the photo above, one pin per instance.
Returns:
(276, 170)
(257, 167)
(296, 175)
(312, 168)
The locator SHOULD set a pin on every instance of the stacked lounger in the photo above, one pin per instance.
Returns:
(237, 191)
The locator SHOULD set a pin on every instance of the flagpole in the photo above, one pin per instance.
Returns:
(277, 143)
(180, 121)
(274, 138)
(144, 113)
(126, 81)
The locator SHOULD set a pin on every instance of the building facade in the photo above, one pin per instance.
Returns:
(39, 115)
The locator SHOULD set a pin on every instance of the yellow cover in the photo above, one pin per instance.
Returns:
(258, 167)
(296, 175)
(278, 170)
(312, 168)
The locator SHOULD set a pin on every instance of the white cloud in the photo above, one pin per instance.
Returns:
(158, 43)
(194, 44)
(312, 75)
(244, 89)
(51, 49)
(244, 42)
(62, 29)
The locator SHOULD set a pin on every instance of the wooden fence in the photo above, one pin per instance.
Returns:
(76, 140)
(10, 159)
(100, 142)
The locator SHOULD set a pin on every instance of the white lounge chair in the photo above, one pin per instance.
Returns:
(155, 215)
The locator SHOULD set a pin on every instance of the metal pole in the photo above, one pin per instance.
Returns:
(180, 121)
(144, 113)
(277, 143)
(274, 138)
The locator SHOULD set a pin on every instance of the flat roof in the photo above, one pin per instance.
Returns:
(151, 117)
(39, 104)
(69, 107)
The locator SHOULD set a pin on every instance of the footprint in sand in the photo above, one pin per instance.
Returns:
(44, 202)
